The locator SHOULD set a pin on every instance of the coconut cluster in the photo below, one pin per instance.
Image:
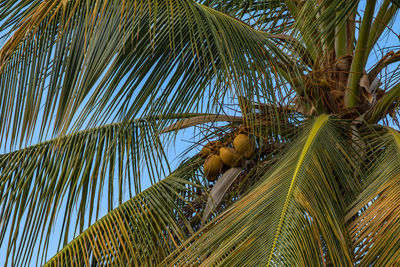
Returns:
(220, 157)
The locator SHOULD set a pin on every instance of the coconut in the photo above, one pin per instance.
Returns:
(242, 143)
(230, 156)
(212, 178)
(212, 167)
(249, 153)
(205, 152)
(210, 148)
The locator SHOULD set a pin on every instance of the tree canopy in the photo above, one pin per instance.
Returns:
(294, 106)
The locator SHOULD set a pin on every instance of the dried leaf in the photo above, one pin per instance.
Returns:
(201, 120)
(366, 89)
(219, 190)
(364, 83)
(374, 85)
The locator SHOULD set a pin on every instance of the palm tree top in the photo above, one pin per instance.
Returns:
(94, 91)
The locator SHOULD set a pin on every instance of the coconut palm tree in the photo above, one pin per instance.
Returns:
(294, 106)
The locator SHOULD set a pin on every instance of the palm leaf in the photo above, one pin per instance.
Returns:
(114, 60)
(143, 230)
(260, 14)
(396, 2)
(70, 176)
(294, 216)
(374, 216)
(315, 22)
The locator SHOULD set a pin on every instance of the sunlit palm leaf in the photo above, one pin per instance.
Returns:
(68, 177)
(376, 226)
(143, 230)
(295, 216)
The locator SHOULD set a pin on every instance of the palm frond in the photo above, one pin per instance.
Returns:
(272, 16)
(193, 121)
(396, 2)
(294, 216)
(143, 230)
(382, 20)
(374, 218)
(96, 60)
(71, 176)
(315, 22)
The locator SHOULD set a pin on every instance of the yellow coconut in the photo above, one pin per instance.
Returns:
(249, 153)
(212, 167)
(205, 152)
(212, 178)
(210, 148)
(242, 143)
(230, 156)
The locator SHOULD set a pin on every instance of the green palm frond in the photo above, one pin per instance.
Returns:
(272, 16)
(385, 15)
(69, 177)
(316, 21)
(110, 59)
(11, 13)
(294, 216)
(143, 230)
(375, 216)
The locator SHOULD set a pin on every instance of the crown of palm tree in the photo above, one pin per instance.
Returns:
(93, 91)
